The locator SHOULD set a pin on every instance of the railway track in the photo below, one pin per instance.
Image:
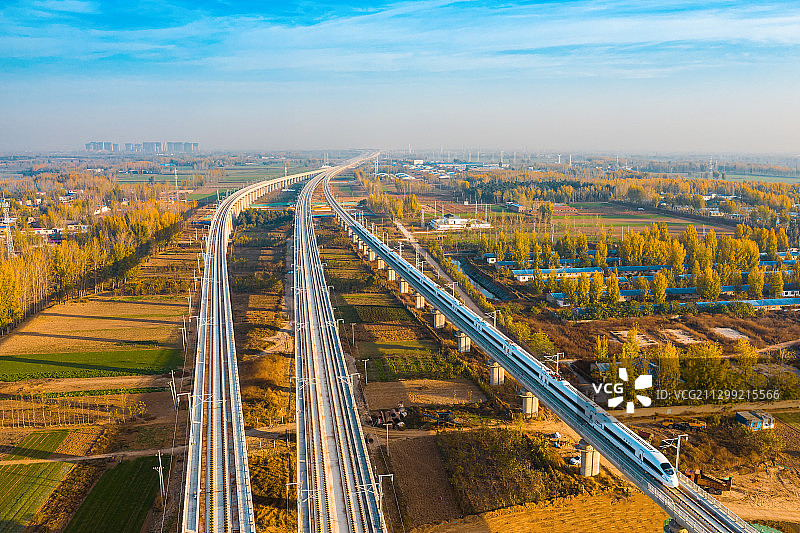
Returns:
(689, 504)
(336, 488)
(217, 495)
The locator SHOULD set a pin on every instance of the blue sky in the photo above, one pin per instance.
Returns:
(643, 75)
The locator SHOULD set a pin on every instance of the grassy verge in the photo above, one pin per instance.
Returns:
(121, 498)
(89, 364)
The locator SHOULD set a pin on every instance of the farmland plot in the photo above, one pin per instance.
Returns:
(25, 488)
(121, 498)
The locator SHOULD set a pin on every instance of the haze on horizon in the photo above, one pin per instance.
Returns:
(672, 75)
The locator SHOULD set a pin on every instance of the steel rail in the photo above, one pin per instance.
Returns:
(693, 507)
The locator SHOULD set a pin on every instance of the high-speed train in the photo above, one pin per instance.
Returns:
(652, 460)
(569, 398)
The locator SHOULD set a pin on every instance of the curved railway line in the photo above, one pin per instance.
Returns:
(689, 504)
(336, 489)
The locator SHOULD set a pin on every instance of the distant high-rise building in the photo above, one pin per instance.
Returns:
(156, 147)
(101, 146)
(181, 147)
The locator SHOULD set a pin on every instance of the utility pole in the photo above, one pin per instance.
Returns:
(675, 443)
(493, 314)
(160, 470)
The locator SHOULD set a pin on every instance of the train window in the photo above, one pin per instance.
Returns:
(667, 468)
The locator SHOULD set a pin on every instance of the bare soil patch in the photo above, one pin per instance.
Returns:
(425, 493)
(771, 493)
(729, 333)
(680, 336)
(415, 392)
(643, 340)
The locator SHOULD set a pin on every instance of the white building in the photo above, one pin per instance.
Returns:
(450, 222)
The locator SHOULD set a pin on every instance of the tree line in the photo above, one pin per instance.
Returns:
(41, 271)
(707, 263)
(701, 366)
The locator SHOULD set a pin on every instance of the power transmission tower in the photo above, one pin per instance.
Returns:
(7, 222)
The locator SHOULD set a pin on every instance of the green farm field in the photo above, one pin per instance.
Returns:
(89, 364)
(121, 499)
(413, 367)
(385, 331)
(374, 313)
(254, 172)
(25, 488)
(593, 217)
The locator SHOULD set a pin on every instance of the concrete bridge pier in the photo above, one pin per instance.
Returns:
(530, 404)
(438, 319)
(419, 301)
(371, 254)
(403, 286)
(355, 237)
(590, 459)
(464, 342)
(497, 374)
(381, 264)
(391, 275)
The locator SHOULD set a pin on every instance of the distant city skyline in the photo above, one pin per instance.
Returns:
(717, 76)
(153, 147)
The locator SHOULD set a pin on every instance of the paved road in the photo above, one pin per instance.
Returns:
(60, 458)
(430, 261)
